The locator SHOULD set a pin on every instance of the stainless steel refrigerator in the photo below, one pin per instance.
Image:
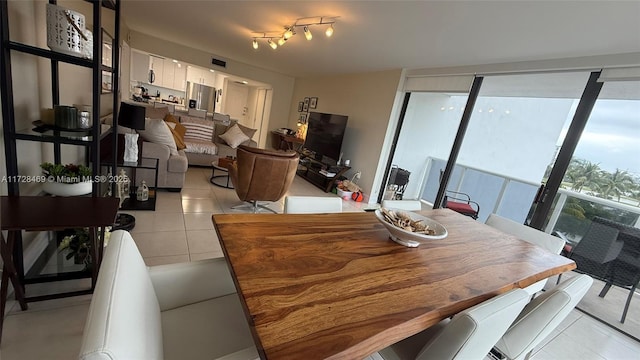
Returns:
(201, 97)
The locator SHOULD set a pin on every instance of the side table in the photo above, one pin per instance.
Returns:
(46, 213)
(220, 180)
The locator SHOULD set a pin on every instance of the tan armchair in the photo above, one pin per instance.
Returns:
(262, 175)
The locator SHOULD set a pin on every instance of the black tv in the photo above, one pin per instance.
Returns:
(324, 135)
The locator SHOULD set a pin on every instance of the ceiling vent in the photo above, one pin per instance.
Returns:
(219, 62)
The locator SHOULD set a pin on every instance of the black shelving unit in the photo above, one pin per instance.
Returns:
(309, 169)
(89, 139)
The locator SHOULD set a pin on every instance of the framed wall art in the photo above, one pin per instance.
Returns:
(305, 106)
(313, 103)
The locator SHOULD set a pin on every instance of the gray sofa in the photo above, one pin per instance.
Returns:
(172, 168)
(203, 153)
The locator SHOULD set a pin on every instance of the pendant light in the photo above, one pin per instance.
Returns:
(307, 33)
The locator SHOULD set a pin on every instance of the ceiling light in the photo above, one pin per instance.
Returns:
(329, 31)
(279, 38)
(212, 70)
(245, 82)
(288, 33)
(175, 61)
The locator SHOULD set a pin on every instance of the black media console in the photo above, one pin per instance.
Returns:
(310, 169)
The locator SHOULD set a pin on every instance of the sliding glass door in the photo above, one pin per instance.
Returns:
(512, 135)
(429, 126)
(603, 176)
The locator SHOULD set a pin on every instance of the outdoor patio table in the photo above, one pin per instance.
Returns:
(333, 286)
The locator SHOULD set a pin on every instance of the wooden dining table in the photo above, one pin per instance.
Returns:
(334, 286)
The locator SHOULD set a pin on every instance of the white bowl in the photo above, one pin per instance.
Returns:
(409, 238)
(62, 189)
(344, 194)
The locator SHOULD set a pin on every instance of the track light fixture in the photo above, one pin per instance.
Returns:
(329, 30)
(275, 39)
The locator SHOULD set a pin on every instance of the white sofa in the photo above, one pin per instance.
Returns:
(178, 311)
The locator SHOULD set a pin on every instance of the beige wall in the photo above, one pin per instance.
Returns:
(282, 85)
(368, 99)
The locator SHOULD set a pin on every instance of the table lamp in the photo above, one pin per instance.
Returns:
(131, 116)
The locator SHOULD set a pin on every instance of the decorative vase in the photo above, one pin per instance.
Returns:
(64, 189)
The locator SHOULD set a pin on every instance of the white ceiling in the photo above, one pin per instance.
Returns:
(381, 35)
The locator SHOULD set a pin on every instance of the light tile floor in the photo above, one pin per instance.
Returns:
(181, 230)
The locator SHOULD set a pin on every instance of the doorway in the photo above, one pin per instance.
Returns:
(235, 101)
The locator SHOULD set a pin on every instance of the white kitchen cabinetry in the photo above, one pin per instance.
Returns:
(201, 76)
(180, 77)
(139, 67)
(168, 74)
(209, 78)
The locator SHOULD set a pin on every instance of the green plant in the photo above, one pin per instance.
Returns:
(77, 245)
(69, 173)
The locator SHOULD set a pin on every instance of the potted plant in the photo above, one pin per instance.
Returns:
(66, 180)
(77, 246)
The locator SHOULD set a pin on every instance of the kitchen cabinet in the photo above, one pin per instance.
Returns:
(173, 75)
(139, 66)
(168, 74)
(180, 79)
(201, 76)
(209, 78)
(194, 74)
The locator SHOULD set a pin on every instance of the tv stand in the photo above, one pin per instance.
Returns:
(310, 169)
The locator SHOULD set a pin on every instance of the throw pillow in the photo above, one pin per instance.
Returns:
(157, 131)
(234, 136)
(177, 138)
(247, 130)
(221, 129)
(177, 130)
(198, 130)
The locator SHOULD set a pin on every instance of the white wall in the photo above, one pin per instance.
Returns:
(282, 85)
(367, 99)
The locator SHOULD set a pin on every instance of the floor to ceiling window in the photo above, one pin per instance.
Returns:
(523, 130)
(431, 122)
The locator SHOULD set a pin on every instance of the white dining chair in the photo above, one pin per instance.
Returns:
(469, 335)
(541, 316)
(409, 205)
(312, 204)
(548, 242)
